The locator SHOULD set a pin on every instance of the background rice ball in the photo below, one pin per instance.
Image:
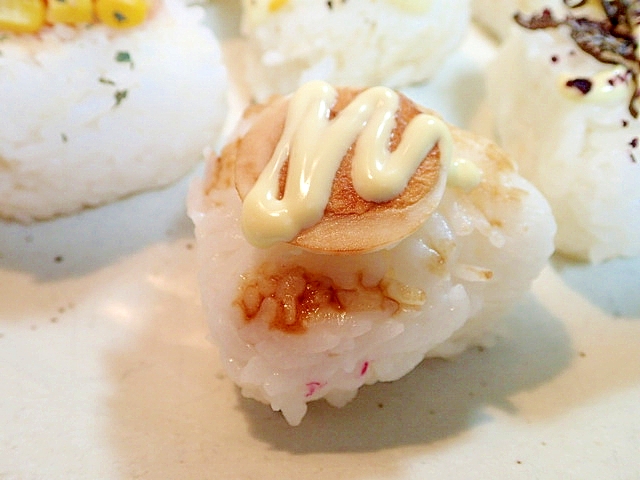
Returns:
(581, 153)
(91, 114)
(355, 42)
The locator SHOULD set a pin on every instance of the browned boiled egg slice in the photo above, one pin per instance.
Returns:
(347, 222)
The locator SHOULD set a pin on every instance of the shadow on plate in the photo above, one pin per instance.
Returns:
(172, 413)
(438, 400)
(613, 286)
(224, 17)
(79, 244)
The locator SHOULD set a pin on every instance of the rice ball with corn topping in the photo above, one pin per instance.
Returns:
(95, 111)
(355, 42)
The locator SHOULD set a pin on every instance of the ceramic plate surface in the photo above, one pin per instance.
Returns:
(106, 371)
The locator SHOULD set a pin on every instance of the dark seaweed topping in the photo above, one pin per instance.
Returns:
(599, 41)
(537, 22)
(609, 41)
(581, 84)
(623, 15)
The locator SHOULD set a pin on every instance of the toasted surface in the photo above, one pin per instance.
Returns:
(350, 224)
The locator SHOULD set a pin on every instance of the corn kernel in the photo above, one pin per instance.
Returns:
(70, 11)
(276, 4)
(22, 16)
(121, 13)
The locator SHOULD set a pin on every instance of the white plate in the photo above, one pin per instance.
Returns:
(106, 371)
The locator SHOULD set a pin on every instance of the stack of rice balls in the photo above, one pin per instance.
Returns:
(100, 99)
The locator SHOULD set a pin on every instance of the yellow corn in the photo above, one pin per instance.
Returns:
(276, 4)
(121, 13)
(70, 11)
(22, 16)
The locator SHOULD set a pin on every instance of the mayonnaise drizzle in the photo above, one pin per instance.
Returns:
(608, 86)
(464, 174)
(315, 147)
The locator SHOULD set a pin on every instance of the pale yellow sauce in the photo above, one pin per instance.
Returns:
(608, 86)
(315, 146)
(464, 174)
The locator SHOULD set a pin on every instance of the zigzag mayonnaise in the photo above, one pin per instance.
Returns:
(315, 145)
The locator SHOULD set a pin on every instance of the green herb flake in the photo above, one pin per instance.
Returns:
(106, 81)
(120, 95)
(64, 138)
(124, 57)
